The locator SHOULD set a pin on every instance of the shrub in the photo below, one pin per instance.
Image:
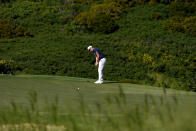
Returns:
(171, 1)
(9, 28)
(189, 25)
(7, 66)
(174, 24)
(83, 1)
(164, 81)
(6, 1)
(120, 3)
(182, 9)
(100, 18)
(153, 2)
(185, 1)
(155, 16)
(97, 22)
(20, 10)
(165, 1)
(82, 18)
(111, 10)
(20, 31)
(103, 23)
(179, 24)
(147, 59)
(141, 2)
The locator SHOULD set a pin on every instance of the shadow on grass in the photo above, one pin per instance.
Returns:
(111, 82)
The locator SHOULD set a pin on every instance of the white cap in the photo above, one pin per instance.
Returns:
(89, 47)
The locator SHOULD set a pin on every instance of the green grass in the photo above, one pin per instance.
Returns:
(66, 88)
(110, 106)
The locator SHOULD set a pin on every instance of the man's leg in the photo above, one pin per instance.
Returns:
(100, 69)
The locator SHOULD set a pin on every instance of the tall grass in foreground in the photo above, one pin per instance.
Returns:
(112, 114)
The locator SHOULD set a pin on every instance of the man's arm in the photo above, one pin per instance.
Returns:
(97, 59)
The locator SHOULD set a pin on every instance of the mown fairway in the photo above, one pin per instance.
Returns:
(94, 105)
(17, 88)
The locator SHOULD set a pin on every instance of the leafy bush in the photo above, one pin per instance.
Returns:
(20, 10)
(120, 3)
(185, 1)
(9, 28)
(153, 2)
(102, 23)
(182, 9)
(165, 81)
(84, 1)
(7, 66)
(147, 59)
(179, 24)
(155, 16)
(141, 2)
(189, 25)
(174, 24)
(111, 10)
(83, 18)
(33, 15)
(6, 1)
(182, 17)
(165, 1)
(100, 18)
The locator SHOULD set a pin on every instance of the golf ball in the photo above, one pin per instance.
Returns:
(78, 88)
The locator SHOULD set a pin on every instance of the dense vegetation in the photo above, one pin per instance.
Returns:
(150, 42)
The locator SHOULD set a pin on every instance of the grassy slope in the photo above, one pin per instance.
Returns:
(16, 88)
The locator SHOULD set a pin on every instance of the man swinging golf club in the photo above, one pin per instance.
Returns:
(100, 62)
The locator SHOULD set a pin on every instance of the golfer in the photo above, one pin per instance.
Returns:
(100, 62)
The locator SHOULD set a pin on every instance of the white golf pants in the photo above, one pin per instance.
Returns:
(100, 68)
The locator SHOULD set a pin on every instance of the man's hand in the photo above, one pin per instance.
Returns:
(96, 64)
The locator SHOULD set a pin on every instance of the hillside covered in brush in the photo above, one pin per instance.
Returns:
(145, 41)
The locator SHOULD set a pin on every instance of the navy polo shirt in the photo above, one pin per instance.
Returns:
(96, 50)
